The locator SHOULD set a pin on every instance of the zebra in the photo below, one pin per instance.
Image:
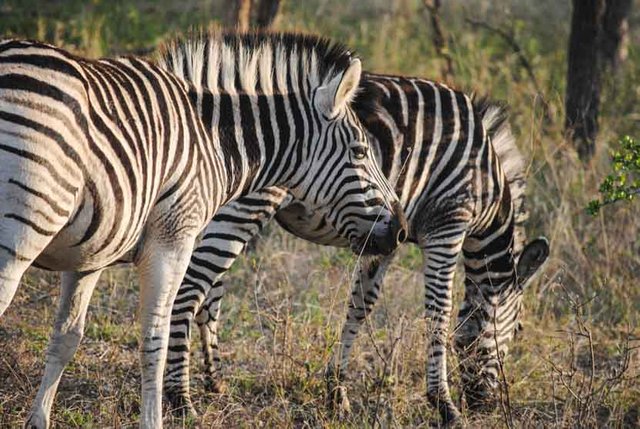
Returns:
(451, 161)
(118, 160)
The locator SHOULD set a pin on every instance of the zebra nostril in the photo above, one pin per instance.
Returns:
(402, 235)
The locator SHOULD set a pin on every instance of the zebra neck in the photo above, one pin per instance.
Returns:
(255, 139)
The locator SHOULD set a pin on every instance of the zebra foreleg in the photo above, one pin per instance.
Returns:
(68, 330)
(209, 262)
(366, 290)
(161, 266)
(440, 252)
(223, 240)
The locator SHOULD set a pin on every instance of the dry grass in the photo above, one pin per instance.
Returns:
(282, 314)
(576, 364)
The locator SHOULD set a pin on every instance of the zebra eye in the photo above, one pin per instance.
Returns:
(360, 152)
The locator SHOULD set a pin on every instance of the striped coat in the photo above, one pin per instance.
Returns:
(117, 160)
(460, 180)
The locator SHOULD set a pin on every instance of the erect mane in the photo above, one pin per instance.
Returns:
(254, 62)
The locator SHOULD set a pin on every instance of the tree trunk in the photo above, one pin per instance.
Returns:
(267, 13)
(598, 40)
(583, 75)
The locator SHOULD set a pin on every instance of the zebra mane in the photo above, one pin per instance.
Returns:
(254, 62)
(495, 121)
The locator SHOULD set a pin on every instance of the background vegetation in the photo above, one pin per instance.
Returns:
(577, 362)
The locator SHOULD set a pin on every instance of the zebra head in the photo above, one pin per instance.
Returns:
(282, 102)
(488, 322)
(338, 176)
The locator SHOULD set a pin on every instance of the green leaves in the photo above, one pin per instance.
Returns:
(624, 183)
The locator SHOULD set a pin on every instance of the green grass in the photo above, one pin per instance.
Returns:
(286, 302)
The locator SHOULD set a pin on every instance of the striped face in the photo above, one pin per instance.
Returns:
(487, 323)
(280, 104)
(339, 176)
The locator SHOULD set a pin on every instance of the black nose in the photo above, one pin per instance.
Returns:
(480, 397)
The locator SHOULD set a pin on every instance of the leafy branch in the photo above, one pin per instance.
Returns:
(624, 183)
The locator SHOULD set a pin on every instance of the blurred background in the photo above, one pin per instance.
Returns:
(570, 74)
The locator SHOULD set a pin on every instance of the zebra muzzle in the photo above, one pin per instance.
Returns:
(396, 232)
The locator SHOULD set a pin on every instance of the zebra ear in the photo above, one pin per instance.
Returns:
(340, 90)
(533, 256)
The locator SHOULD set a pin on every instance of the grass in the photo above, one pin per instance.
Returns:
(577, 362)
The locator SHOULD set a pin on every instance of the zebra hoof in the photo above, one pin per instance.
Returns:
(451, 417)
(341, 400)
(37, 421)
(216, 386)
(448, 411)
(181, 406)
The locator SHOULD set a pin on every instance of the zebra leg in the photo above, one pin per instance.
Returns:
(207, 319)
(20, 245)
(440, 253)
(365, 292)
(161, 266)
(209, 262)
(11, 271)
(67, 333)
(223, 240)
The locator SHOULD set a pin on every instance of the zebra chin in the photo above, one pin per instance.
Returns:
(385, 237)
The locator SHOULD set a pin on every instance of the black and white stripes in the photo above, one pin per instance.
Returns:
(451, 162)
(120, 161)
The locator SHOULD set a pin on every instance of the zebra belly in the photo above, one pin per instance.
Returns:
(93, 238)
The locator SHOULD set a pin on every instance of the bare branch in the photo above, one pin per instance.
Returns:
(439, 39)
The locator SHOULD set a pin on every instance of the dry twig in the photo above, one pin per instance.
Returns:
(439, 39)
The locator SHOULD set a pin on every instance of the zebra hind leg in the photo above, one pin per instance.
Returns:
(67, 333)
(19, 247)
(207, 320)
(10, 275)
(176, 378)
(366, 290)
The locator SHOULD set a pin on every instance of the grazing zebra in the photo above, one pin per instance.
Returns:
(118, 160)
(450, 161)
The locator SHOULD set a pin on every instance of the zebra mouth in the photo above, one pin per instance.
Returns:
(370, 247)
(383, 242)
(480, 393)
(481, 399)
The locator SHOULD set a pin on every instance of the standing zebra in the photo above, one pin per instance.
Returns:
(451, 162)
(117, 160)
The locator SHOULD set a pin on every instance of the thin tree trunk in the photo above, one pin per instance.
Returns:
(267, 13)
(243, 14)
(598, 42)
(583, 75)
